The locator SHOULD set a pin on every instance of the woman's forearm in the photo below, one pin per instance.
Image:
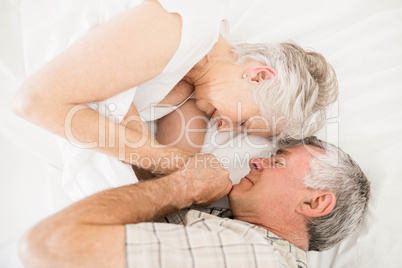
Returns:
(129, 141)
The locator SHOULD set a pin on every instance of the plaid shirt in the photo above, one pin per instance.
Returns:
(207, 237)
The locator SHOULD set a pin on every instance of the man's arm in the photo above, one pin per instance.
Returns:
(91, 233)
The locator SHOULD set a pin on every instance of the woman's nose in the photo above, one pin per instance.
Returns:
(223, 126)
(257, 164)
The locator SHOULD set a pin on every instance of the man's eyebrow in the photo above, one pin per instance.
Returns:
(282, 152)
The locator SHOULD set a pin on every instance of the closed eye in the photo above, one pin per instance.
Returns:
(280, 163)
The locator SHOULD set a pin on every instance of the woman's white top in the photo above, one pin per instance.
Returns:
(202, 22)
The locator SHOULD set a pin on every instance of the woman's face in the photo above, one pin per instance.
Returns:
(230, 102)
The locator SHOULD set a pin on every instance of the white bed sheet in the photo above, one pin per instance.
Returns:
(362, 39)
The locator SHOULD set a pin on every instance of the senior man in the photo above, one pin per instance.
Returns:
(307, 197)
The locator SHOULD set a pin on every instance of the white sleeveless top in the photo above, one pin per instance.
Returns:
(202, 22)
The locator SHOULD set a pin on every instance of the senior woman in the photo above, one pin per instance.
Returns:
(169, 50)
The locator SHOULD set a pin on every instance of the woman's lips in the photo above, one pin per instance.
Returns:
(211, 114)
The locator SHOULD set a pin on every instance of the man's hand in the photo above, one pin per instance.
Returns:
(206, 180)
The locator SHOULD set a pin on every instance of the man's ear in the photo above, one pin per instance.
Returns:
(319, 204)
(260, 73)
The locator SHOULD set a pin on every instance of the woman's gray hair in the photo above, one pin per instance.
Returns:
(305, 85)
(335, 171)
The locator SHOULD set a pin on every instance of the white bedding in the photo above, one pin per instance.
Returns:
(362, 40)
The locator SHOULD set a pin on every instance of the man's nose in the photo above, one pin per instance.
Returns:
(258, 164)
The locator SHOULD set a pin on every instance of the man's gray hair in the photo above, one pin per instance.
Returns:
(335, 171)
(305, 85)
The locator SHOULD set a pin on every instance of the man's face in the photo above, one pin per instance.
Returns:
(274, 185)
